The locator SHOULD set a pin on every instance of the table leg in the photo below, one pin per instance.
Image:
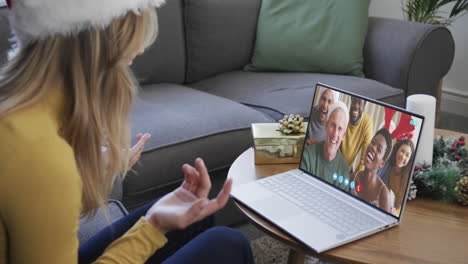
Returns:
(296, 257)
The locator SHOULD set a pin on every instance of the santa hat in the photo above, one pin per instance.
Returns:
(38, 19)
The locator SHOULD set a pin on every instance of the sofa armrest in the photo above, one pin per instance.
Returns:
(407, 55)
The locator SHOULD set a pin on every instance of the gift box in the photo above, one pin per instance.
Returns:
(272, 146)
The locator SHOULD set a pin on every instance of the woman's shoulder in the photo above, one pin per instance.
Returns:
(30, 142)
(383, 189)
(32, 124)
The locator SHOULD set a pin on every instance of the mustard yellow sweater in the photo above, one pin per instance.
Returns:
(40, 195)
(357, 138)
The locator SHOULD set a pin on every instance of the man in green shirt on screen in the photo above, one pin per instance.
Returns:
(324, 159)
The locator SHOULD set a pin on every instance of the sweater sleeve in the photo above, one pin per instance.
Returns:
(368, 132)
(41, 200)
(40, 203)
(135, 246)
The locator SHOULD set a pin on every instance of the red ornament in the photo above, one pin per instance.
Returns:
(416, 168)
(462, 138)
(8, 2)
(457, 158)
(456, 142)
(462, 143)
(453, 149)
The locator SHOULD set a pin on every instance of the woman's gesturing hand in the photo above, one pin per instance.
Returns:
(189, 203)
(135, 151)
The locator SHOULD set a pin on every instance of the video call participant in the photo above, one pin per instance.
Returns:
(397, 169)
(319, 117)
(369, 186)
(324, 159)
(358, 135)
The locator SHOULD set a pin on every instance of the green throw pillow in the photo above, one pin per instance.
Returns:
(323, 36)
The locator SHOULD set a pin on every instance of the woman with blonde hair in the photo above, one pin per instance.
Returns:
(65, 93)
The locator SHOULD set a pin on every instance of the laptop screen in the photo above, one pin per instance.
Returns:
(361, 146)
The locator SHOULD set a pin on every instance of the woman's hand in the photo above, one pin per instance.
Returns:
(189, 203)
(135, 151)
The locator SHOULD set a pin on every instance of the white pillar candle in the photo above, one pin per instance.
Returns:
(424, 105)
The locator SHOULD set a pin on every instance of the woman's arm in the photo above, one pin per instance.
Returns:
(41, 203)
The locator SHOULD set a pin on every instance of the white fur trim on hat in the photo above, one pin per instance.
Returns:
(37, 19)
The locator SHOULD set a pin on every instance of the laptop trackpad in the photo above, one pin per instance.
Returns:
(275, 208)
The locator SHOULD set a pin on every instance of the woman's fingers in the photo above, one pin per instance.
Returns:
(204, 183)
(137, 149)
(141, 141)
(224, 194)
(220, 201)
(181, 208)
(191, 178)
(133, 160)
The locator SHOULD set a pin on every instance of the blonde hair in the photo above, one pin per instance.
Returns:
(92, 70)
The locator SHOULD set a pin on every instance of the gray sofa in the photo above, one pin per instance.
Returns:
(196, 101)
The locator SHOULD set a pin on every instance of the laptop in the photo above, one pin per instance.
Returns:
(339, 195)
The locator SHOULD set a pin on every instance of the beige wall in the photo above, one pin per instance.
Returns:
(455, 83)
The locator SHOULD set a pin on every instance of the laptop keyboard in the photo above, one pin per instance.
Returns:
(319, 203)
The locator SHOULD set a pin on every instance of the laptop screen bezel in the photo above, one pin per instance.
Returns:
(413, 160)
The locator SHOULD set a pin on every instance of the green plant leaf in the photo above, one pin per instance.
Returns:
(428, 11)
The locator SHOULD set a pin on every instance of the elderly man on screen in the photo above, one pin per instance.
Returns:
(324, 159)
(319, 117)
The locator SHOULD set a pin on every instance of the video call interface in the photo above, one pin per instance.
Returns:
(361, 147)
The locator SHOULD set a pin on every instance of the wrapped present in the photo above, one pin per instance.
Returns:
(273, 146)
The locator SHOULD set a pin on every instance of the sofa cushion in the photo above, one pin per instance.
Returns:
(287, 93)
(220, 35)
(164, 61)
(311, 36)
(185, 124)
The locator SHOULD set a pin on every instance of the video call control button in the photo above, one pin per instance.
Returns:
(352, 185)
(340, 179)
(335, 176)
(358, 188)
(346, 182)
